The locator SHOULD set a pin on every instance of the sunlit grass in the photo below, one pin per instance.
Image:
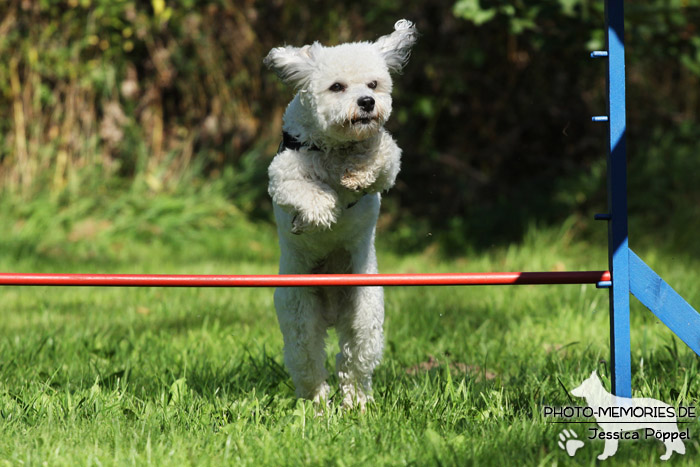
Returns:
(195, 376)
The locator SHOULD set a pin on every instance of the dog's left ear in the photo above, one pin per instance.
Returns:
(293, 65)
(396, 47)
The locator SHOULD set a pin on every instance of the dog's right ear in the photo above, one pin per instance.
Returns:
(395, 48)
(293, 65)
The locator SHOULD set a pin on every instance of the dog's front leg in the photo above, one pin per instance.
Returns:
(391, 164)
(313, 204)
(380, 174)
(609, 449)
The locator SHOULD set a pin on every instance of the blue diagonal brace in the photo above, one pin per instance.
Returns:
(664, 302)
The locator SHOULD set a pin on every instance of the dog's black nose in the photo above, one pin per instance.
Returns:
(366, 103)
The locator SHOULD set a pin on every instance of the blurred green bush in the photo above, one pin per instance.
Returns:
(493, 111)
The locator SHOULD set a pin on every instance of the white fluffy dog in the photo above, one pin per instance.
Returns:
(325, 183)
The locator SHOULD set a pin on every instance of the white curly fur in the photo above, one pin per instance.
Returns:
(326, 198)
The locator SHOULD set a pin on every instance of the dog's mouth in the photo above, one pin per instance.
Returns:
(362, 120)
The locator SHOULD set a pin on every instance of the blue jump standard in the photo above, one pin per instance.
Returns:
(629, 272)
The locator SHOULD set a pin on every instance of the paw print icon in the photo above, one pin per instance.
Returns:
(569, 442)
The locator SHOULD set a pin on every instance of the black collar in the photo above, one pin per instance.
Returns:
(290, 142)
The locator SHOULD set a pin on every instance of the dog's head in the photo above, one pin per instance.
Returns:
(346, 89)
(589, 386)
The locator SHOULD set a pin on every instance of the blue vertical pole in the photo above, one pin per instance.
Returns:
(618, 249)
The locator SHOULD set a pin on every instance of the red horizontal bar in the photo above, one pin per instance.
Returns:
(301, 280)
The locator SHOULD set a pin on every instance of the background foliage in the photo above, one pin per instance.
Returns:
(493, 111)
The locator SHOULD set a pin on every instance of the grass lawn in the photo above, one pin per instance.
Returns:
(103, 376)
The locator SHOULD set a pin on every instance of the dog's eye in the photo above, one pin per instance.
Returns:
(337, 87)
(372, 85)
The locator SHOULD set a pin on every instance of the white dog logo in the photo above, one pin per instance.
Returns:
(617, 416)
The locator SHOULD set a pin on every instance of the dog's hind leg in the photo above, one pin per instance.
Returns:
(361, 341)
(359, 327)
(672, 446)
(304, 330)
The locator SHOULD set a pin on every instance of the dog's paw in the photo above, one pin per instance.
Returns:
(353, 396)
(322, 399)
(357, 401)
(320, 218)
(350, 182)
(357, 180)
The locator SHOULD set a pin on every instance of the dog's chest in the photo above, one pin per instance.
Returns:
(348, 171)
(354, 225)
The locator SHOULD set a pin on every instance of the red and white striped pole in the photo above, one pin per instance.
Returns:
(303, 280)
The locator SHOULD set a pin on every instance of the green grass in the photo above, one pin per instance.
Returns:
(104, 376)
